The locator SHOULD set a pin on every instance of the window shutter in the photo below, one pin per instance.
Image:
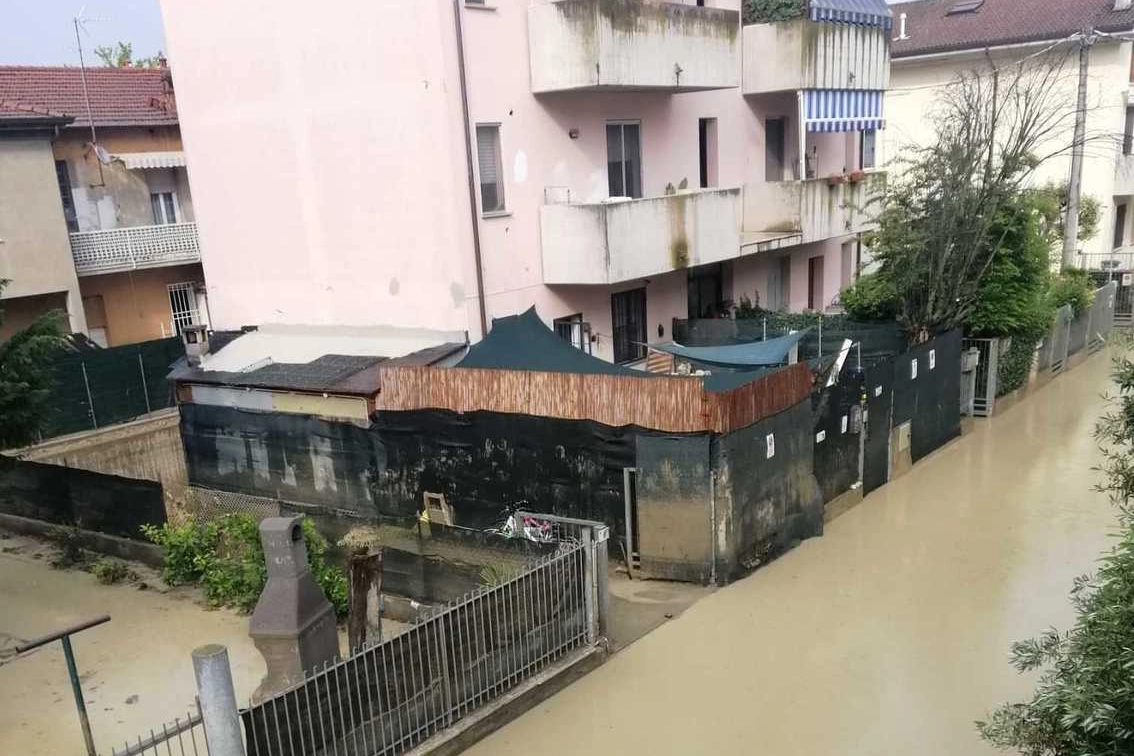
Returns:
(487, 143)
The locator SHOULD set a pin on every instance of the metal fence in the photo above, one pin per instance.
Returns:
(184, 736)
(1052, 356)
(211, 504)
(983, 399)
(392, 696)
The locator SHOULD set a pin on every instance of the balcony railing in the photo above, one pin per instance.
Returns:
(118, 249)
(613, 241)
(632, 45)
(803, 54)
(812, 210)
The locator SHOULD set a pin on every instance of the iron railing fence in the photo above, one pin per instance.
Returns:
(391, 696)
(184, 736)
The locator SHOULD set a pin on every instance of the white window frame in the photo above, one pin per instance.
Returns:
(502, 208)
(188, 315)
(176, 208)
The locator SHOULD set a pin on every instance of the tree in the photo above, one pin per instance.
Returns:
(941, 223)
(121, 56)
(771, 11)
(26, 377)
(1084, 703)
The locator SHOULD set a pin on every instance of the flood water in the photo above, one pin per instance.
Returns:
(888, 635)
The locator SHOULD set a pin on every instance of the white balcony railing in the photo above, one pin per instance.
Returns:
(119, 249)
(813, 210)
(621, 240)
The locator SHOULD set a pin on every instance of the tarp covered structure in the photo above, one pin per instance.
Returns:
(756, 354)
(523, 342)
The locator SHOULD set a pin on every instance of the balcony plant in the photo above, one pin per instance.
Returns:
(856, 176)
(836, 179)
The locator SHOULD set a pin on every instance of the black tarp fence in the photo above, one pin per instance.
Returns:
(766, 489)
(879, 389)
(67, 496)
(837, 438)
(123, 382)
(291, 457)
(927, 393)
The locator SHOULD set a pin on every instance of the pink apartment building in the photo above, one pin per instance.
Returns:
(438, 163)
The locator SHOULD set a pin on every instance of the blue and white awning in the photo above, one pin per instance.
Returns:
(861, 12)
(842, 109)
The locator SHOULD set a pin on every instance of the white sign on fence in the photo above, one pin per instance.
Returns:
(913, 369)
(932, 358)
(1128, 279)
(771, 443)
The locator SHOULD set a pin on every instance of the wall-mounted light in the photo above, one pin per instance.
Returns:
(573, 133)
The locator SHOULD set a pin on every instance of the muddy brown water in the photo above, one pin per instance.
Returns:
(888, 635)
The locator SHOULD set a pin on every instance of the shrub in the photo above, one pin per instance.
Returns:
(109, 571)
(1014, 366)
(770, 11)
(70, 552)
(871, 297)
(1072, 287)
(226, 558)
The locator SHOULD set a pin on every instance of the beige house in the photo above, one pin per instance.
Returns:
(112, 210)
(935, 42)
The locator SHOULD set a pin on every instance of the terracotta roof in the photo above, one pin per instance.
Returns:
(999, 22)
(14, 110)
(118, 96)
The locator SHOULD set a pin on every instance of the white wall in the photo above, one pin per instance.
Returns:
(916, 87)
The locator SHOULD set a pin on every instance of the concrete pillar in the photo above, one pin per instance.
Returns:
(218, 700)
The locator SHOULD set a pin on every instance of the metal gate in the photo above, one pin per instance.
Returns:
(879, 404)
(984, 385)
(1124, 302)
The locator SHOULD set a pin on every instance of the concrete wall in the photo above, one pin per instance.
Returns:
(622, 241)
(912, 103)
(801, 54)
(147, 449)
(116, 197)
(136, 303)
(20, 312)
(319, 405)
(578, 44)
(36, 252)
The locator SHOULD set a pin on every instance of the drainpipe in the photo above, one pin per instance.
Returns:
(469, 168)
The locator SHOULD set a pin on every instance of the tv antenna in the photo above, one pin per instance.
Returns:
(80, 22)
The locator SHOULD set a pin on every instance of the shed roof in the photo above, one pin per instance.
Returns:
(931, 27)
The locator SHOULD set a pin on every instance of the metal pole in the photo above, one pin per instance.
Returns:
(712, 528)
(820, 334)
(145, 388)
(626, 473)
(77, 690)
(218, 700)
(1075, 184)
(90, 401)
(765, 329)
(589, 585)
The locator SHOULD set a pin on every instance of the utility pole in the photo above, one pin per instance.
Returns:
(1075, 184)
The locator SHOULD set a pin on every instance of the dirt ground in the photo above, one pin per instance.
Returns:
(136, 670)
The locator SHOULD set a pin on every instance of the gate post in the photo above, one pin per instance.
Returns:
(218, 700)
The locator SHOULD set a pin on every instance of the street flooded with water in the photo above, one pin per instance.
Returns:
(888, 635)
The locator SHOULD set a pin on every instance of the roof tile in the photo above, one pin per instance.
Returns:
(1000, 22)
(118, 96)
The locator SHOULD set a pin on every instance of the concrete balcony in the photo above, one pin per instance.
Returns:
(119, 249)
(631, 45)
(621, 240)
(804, 54)
(782, 213)
(1124, 175)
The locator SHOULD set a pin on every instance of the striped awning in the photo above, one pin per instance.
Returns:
(861, 12)
(137, 161)
(842, 110)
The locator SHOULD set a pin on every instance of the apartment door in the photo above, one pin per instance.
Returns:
(815, 284)
(705, 291)
(775, 132)
(628, 324)
(1119, 225)
(624, 159)
(707, 150)
(779, 285)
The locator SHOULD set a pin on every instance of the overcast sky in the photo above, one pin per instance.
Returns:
(40, 32)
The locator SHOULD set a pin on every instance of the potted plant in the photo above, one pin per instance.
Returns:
(856, 176)
(836, 179)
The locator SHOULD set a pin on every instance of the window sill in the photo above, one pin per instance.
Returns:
(497, 214)
(479, 6)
